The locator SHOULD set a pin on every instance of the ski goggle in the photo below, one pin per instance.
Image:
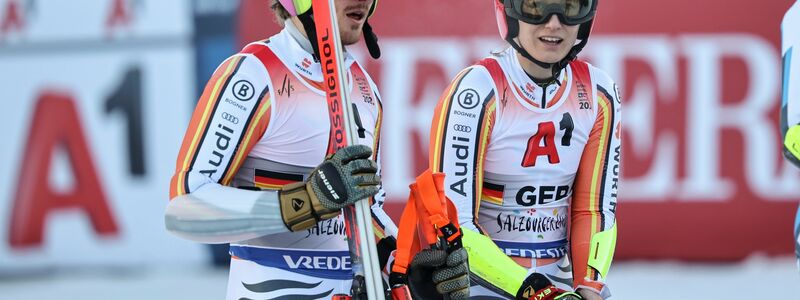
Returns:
(569, 12)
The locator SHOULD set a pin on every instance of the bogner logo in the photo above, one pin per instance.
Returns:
(243, 90)
(468, 99)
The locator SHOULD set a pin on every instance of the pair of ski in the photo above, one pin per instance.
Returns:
(358, 218)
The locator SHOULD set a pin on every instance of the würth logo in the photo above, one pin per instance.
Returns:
(529, 87)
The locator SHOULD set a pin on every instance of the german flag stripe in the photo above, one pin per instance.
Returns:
(216, 94)
(268, 186)
(379, 228)
(256, 126)
(608, 106)
(493, 190)
(206, 107)
(377, 136)
(494, 187)
(493, 199)
(493, 194)
(598, 171)
(587, 202)
(278, 175)
(441, 117)
(599, 159)
(482, 137)
(490, 191)
(274, 180)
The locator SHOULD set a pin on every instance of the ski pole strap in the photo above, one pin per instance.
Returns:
(427, 217)
(434, 208)
(429, 192)
(407, 245)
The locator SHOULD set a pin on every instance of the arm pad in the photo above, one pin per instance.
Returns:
(791, 145)
(490, 266)
(602, 251)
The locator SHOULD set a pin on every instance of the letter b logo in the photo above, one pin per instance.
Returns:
(243, 90)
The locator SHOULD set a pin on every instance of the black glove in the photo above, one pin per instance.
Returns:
(537, 287)
(341, 180)
(449, 274)
(385, 248)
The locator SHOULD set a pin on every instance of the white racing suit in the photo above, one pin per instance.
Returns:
(263, 122)
(535, 169)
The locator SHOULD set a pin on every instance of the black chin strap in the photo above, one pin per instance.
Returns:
(371, 40)
(307, 19)
(529, 56)
(555, 68)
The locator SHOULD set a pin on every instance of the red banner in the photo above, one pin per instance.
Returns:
(703, 175)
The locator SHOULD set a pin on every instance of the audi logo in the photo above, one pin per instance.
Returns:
(462, 128)
(230, 118)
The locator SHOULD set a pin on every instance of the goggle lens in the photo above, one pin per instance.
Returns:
(570, 12)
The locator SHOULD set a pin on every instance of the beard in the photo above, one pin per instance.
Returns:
(350, 35)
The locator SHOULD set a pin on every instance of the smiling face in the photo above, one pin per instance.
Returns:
(351, 15)
(549, 42)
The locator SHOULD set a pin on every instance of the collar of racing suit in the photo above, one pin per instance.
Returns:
(298, 37)
(542, 95)
(295, 50)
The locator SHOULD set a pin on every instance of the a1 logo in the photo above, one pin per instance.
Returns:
(543, 142)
